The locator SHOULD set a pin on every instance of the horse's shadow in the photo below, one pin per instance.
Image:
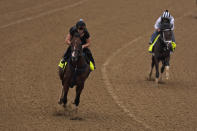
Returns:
(162, 82)
(192, 17)
(68, 113)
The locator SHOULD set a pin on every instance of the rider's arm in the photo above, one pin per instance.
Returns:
(157, 24)
(68, 38)
(172, 22)
(87, 44)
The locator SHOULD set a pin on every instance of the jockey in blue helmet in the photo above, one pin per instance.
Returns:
(80, 27)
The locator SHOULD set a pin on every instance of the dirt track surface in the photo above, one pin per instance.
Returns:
(116, 95)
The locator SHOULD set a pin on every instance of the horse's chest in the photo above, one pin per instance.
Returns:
(163, 55)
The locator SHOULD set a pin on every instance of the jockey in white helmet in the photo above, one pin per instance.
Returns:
(165, 16)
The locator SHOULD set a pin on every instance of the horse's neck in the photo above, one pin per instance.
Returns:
(162, 49)
(158, 46)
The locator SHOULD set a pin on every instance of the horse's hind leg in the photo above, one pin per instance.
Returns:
(152, 65)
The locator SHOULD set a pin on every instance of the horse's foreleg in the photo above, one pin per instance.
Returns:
(157, 72)
(162, 70)
(78, 93)
(64, 94)
(152, 65)
(167, 72)
(167, 64)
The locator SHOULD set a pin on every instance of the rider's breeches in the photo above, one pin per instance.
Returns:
(67, 54)
(154, 35)
(173, 38)
(89, 54)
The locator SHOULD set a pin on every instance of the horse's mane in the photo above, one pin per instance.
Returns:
(76, 34)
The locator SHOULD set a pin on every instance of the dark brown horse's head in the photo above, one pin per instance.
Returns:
(166, 32)
(166, 35)
(76, 47)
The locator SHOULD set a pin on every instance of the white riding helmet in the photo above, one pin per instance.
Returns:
(166, 14)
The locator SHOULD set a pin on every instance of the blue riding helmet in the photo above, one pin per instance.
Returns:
(80, 24)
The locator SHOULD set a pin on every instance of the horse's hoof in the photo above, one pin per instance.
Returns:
(60, 102)
(161, 79)
(148, 78)
(157, 81)
(76, 109)
(167, 77)
(167, 72)
(76, 118)
(64, 106)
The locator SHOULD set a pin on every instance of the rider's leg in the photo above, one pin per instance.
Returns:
(89, 55)
(65, 58)
(66, 54)
(86, 56)
(154, 35)
(153, 38)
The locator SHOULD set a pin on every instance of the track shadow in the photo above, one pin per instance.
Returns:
(153, 79)
(162, 82)
(192, 17)
(68, 112)
(77, 119)
(147, 79)
(71, 115)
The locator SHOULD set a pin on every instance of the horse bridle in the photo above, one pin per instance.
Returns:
(167, 42)
(76, 49)
(79, 54)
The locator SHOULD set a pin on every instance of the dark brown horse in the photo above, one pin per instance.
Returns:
(161, 52)
(76, 72)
